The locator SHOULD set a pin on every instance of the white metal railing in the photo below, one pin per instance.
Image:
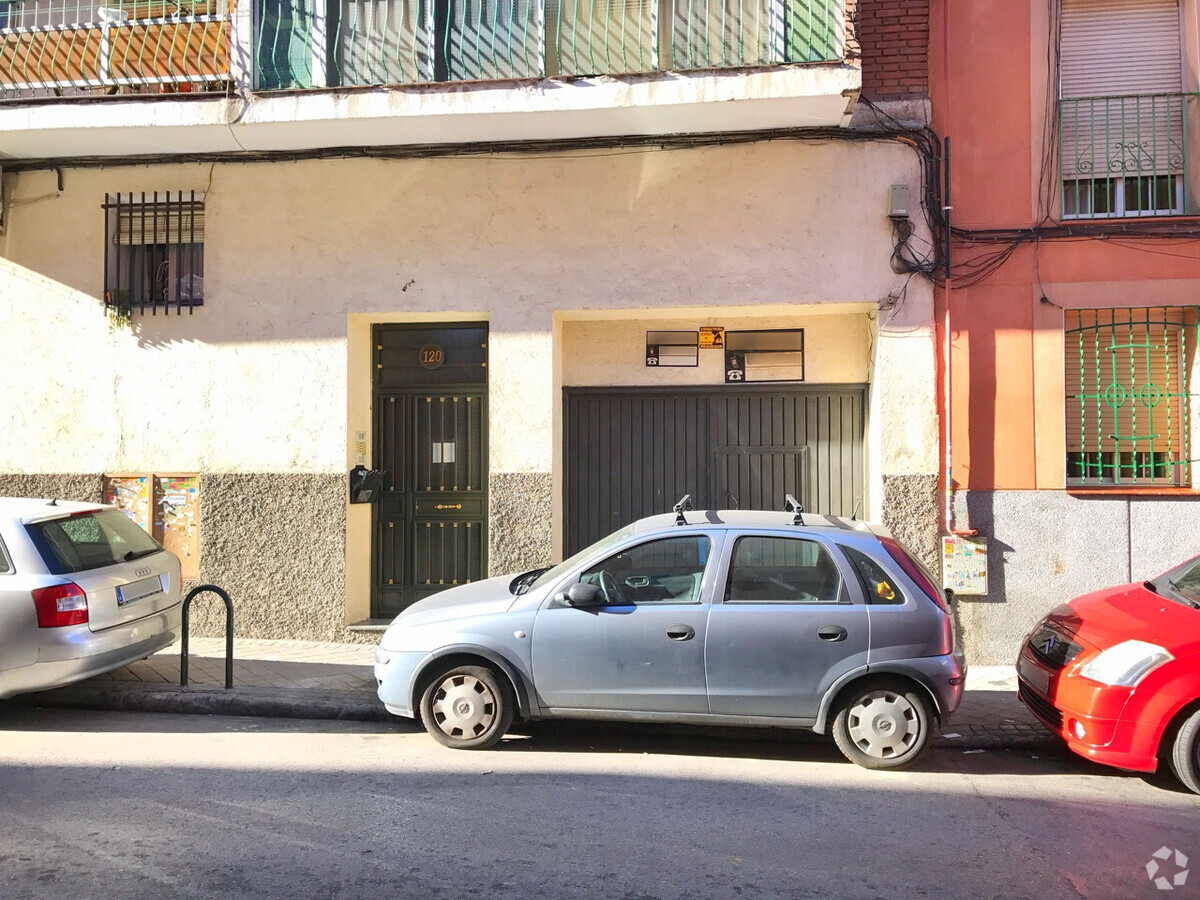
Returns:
(52, 47)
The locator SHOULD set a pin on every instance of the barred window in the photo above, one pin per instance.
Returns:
(155, 255)
(1131, 391)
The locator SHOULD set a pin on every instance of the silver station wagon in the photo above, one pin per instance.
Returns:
(698, 617)
(82, 590)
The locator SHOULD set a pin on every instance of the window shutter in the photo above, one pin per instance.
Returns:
(1125, 50)
(1112, 47)
(174, 219)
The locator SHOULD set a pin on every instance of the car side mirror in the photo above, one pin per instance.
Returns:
(584, 595)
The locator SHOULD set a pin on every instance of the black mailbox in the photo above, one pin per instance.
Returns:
(365, 484)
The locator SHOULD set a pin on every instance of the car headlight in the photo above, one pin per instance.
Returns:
(1125, 664)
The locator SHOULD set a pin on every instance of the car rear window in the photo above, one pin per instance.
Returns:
(90, 541)
(915, 569)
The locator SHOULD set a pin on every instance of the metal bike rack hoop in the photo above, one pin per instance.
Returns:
(183, 655)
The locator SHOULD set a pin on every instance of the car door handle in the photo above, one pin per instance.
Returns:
(831, 633)
(681, 632)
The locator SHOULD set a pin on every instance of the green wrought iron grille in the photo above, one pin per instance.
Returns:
(1124, 156)
(1131, 407)
(372, 42)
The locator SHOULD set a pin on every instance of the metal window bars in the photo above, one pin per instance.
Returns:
(1126, 155)
(1131, 392)
(154, 257)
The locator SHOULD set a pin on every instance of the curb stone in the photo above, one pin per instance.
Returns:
(996, 737)
(364, 706)
(278, 703)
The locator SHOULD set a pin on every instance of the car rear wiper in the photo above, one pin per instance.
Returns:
(138, 554)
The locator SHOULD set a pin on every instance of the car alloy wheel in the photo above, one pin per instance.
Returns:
(882, 726)
(468, 708)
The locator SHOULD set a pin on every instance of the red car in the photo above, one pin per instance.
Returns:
(1116, 674)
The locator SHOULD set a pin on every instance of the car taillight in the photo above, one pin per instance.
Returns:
(915, 571)
(63, 604)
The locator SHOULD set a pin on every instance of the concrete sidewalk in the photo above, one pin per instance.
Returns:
(314, 680)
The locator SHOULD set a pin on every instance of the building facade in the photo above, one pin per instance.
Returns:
(1070, 320)
(544, 272)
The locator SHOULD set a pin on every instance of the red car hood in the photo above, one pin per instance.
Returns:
(1132, 612)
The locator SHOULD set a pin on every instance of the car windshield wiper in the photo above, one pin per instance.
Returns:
(1182, 596)
(1150, 586)
(522, 583)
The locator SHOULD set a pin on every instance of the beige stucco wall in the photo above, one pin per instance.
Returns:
(273, 374)
(293, 248)
(612, 350)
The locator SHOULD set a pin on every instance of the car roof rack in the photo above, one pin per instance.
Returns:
(790, 504)
(684, 503)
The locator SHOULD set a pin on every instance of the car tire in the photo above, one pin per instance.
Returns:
(468, 707)
(883, 725)
(1185, 753)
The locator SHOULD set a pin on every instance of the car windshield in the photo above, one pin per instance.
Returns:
(89, 541)
(1185, 581)
(556, 572)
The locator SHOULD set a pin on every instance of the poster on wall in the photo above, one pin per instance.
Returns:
(131, 495)
(177, 519)
(964, 565)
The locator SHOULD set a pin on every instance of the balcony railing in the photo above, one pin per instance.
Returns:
(59, 47)
(373, 42)
(62, 47)
(1127, 155)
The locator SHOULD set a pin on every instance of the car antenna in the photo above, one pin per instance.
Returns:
(684, 503)
(53, 501)
(793, 506)
(854, 515)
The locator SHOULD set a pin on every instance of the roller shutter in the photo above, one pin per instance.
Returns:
(1129, 52)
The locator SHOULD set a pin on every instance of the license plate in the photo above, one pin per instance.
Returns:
(139, 590)
(1036, 677)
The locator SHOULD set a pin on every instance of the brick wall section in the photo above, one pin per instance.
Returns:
(894, 39)
(852, 49)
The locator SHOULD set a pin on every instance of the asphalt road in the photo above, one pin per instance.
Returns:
(111, 805)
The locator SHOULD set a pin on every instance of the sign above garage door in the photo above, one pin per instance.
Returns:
(634, 452)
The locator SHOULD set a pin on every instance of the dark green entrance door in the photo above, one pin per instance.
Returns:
(430, 406)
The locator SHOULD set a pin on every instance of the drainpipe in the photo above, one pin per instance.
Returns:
(947, 376)
(947, 380)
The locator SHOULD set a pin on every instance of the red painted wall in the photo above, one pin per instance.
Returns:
(988, 83)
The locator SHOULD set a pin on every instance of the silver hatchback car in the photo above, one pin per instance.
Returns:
(83, 590)
(712, 617)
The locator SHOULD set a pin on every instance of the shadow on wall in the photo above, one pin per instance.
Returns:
(981, 516)
(990, 628)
